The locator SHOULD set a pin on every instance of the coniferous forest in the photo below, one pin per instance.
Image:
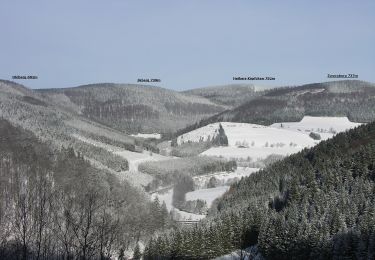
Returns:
(316, 204)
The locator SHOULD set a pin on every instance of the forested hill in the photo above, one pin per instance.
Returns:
(231, 95)
(317, 204)
(352, 98)
(134, 108)
(55, 205)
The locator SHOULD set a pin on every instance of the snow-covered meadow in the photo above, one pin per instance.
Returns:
(326, 127)
(223, 178)
(258, 142)
(166, 196)
(208, 195)
(154, 135)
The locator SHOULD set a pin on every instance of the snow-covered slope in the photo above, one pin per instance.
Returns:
(250, 140)
(258, 142)
(223, 178)
(208, 195)
(134, 159)
(252, 154)
(155, 135)
(325, 126)
(247, 134)
(166, 197)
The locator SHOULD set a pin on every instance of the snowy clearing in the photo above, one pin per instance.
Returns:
(224, 177)
(255, 153)
(177, 214)
(251, 135)
(208, 195)
(250, 253)
(154, 135)
(258, 142)
(135, 159)
(325, 126)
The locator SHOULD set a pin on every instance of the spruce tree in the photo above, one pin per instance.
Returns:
(137, 252)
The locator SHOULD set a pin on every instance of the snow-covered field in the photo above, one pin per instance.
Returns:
(208, 195)
(167, 198)
(258, 142)
(255, 153)
(262, 136)
(325, 126)
(135, 159)
(251, 135)
(155, 135)
(250, 140)
(224, 177)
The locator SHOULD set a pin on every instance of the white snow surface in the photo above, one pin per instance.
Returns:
(208, 195)
(325, 126)
(135, 159)
(154, 135)
(224, 177)
(258, 142)
(240, 132)
(250, 253)
(256, 153)
(167, 198)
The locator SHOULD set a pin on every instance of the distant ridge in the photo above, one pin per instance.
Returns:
(351, 98)
(134, 108)
(230, 95)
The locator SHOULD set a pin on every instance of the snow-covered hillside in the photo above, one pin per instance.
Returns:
(252, 135)
(258, 142)
(253, 153)
(166, 197)
(326, 127)
(134, 159)
(224, 177)
(208, 195)
(155, 135)
(251, 140)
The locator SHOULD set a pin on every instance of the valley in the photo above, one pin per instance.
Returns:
(250, 145)
(177, 173)
(187, 130)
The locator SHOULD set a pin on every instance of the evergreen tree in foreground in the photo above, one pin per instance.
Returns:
(137, 252)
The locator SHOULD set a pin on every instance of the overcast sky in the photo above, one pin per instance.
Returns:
(186, 44)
